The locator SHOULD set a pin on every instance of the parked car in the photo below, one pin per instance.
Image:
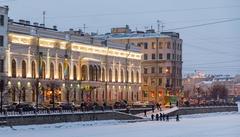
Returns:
(56, 106)
(67, 106)
(24, 107)
(41, 107)
(120, 105)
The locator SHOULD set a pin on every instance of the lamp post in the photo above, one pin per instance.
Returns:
(1, 90)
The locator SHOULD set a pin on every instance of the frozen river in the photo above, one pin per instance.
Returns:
(204, 125)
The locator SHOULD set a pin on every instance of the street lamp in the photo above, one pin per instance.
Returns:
(1, 90)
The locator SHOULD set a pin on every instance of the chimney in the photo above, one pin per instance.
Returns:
(41, 25)
(55, 27)
(22, 21)
(35, 24)
(10, 20)
(28, 22)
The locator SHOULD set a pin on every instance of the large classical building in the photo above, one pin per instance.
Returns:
(43, 64)
(161, 61)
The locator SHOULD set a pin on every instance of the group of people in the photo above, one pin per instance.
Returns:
(162, 117)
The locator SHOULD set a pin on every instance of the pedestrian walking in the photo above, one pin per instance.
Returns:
(153, 108)
(158, 106)
(167, 117)
(152, 116)
(177, 117)
(145, 113)
(157, 117)
(161, 116)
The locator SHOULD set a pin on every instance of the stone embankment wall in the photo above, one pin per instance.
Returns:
(199, 110)
(70, 117)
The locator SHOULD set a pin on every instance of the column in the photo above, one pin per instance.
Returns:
(48, 65)
(8, 62)
(29, 63)
(88, 72)
(56, 66)
(71, 68)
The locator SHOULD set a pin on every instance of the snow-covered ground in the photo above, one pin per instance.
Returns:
(201, 125)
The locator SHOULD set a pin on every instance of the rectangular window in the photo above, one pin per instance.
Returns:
(168, 45)
(1, 65)
(139, 44)
(160, 56)
(168, 56)
(168, 82)
(145, 56)
(153, 56)
(152, 70)
(2, 20)
(145, 70)
(153, 45)
(152, 81)
(159, 81)
(160, 70)
(145, 45)
(173, 56)
(1, 40)
(160, 45)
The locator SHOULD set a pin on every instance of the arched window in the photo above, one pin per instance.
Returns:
(103, 74)
(116, 75)
(95, 73)
(132, 77)
(110, 75)
(60, 71)
(43, 70)
(91, 73)
(99, 73)
(137, 77)
(67, 72)
(51, 71)
(75, 72)
(24, 67)
(121, 75)
(14, 73)
(84, 72)
(127, 76)
(33, 70)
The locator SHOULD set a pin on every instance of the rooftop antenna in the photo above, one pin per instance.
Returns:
(158, 24)
(136, 29)
(84, 27)
(162, 26)
(44, 17)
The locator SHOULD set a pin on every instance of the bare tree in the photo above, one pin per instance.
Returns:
(218, 91)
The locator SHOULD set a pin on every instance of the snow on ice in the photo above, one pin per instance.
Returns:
(200, 125)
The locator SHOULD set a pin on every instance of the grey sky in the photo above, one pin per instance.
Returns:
(213, 48)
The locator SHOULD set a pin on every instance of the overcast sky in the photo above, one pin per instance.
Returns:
(212, 49)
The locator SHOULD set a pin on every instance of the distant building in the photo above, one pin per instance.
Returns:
(191, 83)
(161, 61)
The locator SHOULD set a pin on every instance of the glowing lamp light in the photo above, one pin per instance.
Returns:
(28, 84)
(19, 83)
(167, 70)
